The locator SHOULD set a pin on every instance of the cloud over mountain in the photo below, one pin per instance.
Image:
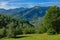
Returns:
(11, 4)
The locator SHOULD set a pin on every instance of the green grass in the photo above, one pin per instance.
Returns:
(35, 37)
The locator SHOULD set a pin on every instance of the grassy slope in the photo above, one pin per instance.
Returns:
(35, 37)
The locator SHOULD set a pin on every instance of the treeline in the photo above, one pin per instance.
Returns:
(11, 26)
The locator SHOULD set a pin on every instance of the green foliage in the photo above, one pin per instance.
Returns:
(51, 31)
(50, 19)
(2, 32)
(50, 16)
(19, 30)
(56, 25)
(11, 26)
(42, 29)
(37, 30)
(10, 30)
(27, 28)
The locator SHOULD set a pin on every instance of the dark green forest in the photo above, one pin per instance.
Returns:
(11, 26)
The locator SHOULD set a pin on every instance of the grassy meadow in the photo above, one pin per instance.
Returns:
(34, 37)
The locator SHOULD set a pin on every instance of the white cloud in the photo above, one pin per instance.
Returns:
(3, 3)
(6, 5)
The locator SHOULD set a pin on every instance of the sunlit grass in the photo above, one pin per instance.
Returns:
(35, 37)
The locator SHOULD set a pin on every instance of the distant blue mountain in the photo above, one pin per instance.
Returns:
(11, 11)
(26, 13)
(32, 13)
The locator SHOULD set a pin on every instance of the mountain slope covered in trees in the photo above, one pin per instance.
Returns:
(34, 14)
(26, 13)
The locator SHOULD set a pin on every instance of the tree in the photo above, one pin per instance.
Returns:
(51, 16)
(43, 29)
(27, 28)
(11, 26)
(10, 30)
(56, 25)
(51, 31)
(2, 32)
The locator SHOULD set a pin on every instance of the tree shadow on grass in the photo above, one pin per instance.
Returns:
(16, 37)
(20, 37)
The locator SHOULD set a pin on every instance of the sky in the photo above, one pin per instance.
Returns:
(11, 4)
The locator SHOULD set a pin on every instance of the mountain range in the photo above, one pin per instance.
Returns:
(26, 13)
(31, 14)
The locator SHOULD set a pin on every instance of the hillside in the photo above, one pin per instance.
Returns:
(34, 14)
(26, 13)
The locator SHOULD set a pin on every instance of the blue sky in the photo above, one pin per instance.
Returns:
(11, 4)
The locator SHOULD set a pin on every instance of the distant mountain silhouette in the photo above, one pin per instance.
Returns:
(26, 13)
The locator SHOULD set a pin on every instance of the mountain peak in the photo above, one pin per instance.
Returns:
(36, 7)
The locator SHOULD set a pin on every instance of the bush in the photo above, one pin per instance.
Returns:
(18, 30)
(37, 30)
(43, 29)
(51, 31)
(10, 30)
(28, 30)
(2, 32)
(31, 30)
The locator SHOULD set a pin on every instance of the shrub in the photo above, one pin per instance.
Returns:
(43, 29)
(18, 30)
(2, 32)
(10, 30)
(51, 31)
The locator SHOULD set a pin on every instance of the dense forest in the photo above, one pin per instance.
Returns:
(10, 26)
